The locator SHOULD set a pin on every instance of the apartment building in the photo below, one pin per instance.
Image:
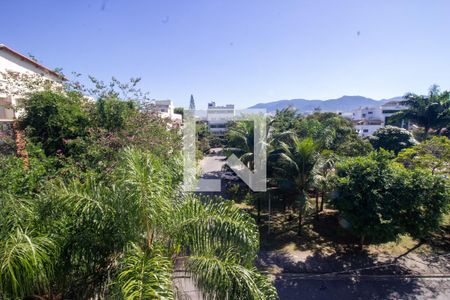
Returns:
(166, 109)
(12, 61)
(369, 119)
(218, 117)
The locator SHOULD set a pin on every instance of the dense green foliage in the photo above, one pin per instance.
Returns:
(98, 210)
(95, 208)
(51, 118)
(112, 113)
(392, 138)
(431, 111)
(204, 138)
(433, 154)
(376, 195)
(295, 171)
(328, 130)
(240, 141)
(380, 199)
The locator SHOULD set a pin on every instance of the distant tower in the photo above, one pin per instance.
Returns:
(192, 103)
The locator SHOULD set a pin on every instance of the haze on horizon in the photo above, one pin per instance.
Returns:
(241, 52)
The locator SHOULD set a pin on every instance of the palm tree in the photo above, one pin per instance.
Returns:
(322, 178)
(297, 161)
(240, 137)
(128, 237)
(431, 111)
(241, 143)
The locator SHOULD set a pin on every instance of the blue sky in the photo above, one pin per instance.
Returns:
(241, 52)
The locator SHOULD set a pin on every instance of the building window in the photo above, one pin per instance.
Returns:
(370, 112)
(363, 115)
(365, 130)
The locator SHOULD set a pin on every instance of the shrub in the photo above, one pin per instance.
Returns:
(51, 118)
(392, 138)
(381, 199)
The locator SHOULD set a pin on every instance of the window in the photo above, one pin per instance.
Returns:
(365, 130)
(370, 112)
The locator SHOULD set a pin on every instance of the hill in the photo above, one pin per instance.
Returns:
(343, 104)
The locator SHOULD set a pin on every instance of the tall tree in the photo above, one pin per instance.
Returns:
(192, 103)
(431, 111)
(240, 138)
(297, 161)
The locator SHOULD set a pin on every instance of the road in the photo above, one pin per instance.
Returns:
(367, 288)
(211, 164)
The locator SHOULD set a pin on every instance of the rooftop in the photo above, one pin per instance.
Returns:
(30, 61)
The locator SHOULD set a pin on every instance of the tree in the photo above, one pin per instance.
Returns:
(121, 237)
(392, 138)
(380, 199)
(240, 137)
(111, 113)
(192, 103)
(285, 120)
(431, 111)
(51, 118)
(179, 110)
(204, 137)
(295, 172)
(323, 177)
(432, 154)
(333, 132)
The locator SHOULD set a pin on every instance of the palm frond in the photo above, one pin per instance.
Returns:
(217, 224)
(224, 278)
(145, 274)
(26, 263)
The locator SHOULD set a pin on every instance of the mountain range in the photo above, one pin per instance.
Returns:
(342, 104)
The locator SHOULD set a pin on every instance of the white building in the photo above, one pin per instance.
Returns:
(166, 109)
(218, 117)
(369, 119)
(12, 61)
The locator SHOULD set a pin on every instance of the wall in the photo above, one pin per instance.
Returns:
(10, 62)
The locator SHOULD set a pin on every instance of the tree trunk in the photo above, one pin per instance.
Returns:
(426, 129)
(259, 209)
(317, 202)
(21, 145)
(300, 221)
(361, 242)
(149, 235)
(322, 201)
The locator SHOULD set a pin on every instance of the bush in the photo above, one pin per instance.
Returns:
(20, 181)
(112, 113)
(51, 118)
(392, 138)
(433, 154)
(381, 199)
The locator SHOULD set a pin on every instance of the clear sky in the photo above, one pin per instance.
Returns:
(241, 51)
